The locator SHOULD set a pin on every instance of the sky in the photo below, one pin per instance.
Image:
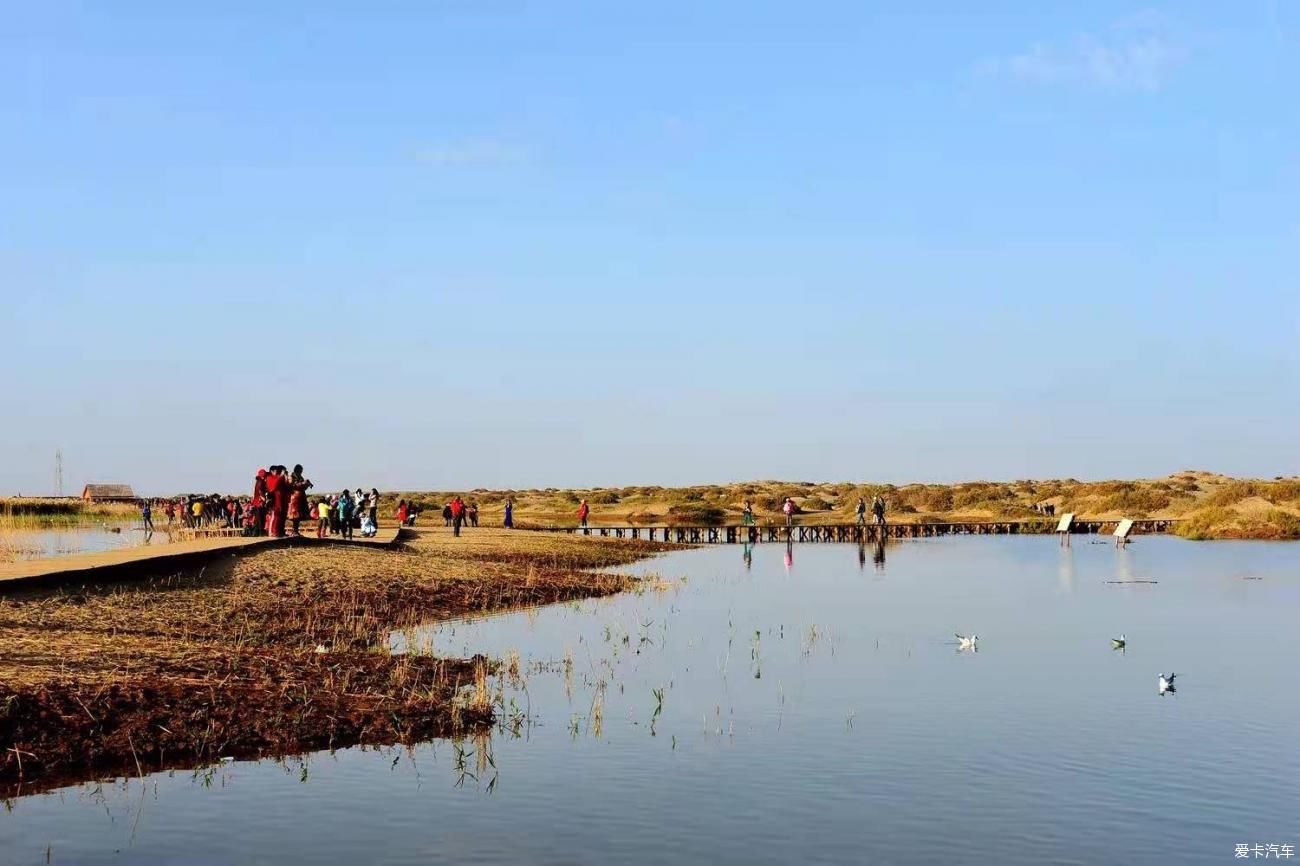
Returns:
(493, 243)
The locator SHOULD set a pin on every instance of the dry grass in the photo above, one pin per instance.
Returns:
(1175, 496)
(281, 650)
(64, 508)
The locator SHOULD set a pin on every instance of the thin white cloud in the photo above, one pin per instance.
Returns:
(474, 151)
(1135, 54)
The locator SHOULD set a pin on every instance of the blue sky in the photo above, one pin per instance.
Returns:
(521, 244)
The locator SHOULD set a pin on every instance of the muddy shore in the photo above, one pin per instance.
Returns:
(275, 653)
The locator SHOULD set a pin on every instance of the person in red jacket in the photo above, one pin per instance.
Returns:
(259, 501)
(583, 511)
(277, 495)
(457, 515)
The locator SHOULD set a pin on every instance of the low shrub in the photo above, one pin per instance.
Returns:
(696, 515)
(1138, 502)
(1232, 493)
(1201, 524)
(1219, 522)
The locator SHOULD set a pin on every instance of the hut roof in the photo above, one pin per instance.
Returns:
(108, 491)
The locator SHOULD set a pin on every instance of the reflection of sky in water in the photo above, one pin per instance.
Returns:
(62, 541)
(815, 708)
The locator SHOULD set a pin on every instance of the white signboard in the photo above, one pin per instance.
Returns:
(1066, 520)
(1124, 528)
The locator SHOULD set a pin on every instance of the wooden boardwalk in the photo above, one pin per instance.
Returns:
(847, 532)
(161, 558)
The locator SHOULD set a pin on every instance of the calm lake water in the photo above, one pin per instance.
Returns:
(44, 542)
(815, 708)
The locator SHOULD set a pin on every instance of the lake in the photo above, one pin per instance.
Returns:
(774, 705)
(55, 539)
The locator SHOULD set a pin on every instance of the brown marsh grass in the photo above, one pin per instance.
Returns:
(276, 652)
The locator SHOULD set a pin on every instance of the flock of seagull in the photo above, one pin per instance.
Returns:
(1164, 682)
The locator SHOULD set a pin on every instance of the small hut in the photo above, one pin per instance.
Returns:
(108, 493)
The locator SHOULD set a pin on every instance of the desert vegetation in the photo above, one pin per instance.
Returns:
(1212, 506)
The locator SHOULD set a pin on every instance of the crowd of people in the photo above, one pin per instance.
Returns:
(281, 502)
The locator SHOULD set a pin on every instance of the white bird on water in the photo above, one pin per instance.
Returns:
(1166, 683)
(967, 643)
(1118, 642)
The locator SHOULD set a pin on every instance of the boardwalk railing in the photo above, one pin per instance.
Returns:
(846, 532)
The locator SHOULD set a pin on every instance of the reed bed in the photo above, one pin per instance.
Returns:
(278, 652)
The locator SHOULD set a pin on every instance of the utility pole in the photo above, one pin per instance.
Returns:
(58, 472)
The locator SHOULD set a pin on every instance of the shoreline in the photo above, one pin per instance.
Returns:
(279, 652)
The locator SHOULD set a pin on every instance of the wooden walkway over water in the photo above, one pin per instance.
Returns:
(161, 558)
(848, 532)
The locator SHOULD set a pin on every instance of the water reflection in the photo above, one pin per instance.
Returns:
(877, 555)
(41, 542)
(720, 691)
(1065, 569)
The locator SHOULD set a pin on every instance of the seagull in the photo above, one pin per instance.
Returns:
(967, 643)
(1166, 683)
(1118, 642)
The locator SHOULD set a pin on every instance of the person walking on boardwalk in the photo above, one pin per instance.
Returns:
(510, 513)
(862, 511)
(473, 514)
(583, 511)
(345, 507)
(298, 487)
(146, 513)
(401, 512)
(789, 508)
(322, 517)
(297, 510)
(277, 495)
(446, 514)
(374, 506)
(878, 509)
(457, 515)
(259, 499)
(747, 516)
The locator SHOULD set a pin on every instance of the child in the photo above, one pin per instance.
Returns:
(322, 518)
